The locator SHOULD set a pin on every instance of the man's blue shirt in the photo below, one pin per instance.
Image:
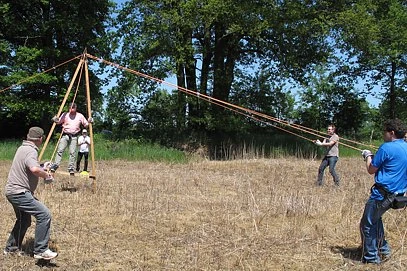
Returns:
(391, 161)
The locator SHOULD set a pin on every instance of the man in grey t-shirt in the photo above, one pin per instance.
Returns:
(331, 155)
(21, 184)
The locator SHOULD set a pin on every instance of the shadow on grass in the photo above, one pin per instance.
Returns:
(70, 189)
(352, 253)
(45, 263)
(28, 247)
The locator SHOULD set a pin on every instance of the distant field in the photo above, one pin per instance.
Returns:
(264, 214)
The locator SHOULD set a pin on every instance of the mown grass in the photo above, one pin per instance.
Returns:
(243, 214)
(252, 214)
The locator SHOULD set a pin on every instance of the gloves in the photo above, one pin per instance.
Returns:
(366, 154)
(318, 143)
(90, 120)
(55, 119)
(49, 179)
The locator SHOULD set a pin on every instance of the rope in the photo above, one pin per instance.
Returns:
(81, 61)
(54, 152)
(275, 126)
(33, 76)
(77, 86)
(76, 92)
(235, 108)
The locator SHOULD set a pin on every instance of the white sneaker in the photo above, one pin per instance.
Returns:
(46, 255)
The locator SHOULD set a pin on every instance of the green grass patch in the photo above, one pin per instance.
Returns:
(8, 149)
(131, 150)
(259, 146)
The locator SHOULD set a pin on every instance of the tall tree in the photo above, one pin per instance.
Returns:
(163, 38)
(36, 35)
(373, 37)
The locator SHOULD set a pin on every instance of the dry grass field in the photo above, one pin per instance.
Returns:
(207, 215)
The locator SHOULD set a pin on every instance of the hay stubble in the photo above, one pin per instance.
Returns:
(208, 215)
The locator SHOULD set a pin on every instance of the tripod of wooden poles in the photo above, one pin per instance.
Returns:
(83, 65)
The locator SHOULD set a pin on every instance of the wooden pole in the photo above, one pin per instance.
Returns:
(61, 108)
(92, 149)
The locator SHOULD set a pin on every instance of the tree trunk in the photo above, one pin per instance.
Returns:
(392, 91)
(181, 96)
(206, 60)
(219, 84)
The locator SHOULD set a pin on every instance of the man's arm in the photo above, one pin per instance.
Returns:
(39, 172)
(369, 167)
(84, 121)
(60, 119)
(56, 119)
(328, 144)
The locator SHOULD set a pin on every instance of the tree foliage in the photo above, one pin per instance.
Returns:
(204, 44)
(325, 102)
(373, 36)
(249, 53)
(38, 35)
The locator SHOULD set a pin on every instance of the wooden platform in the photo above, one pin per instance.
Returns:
(82, 174)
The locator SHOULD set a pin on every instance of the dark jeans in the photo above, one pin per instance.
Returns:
(331, 162)
(25, 206)
(374, 243)
(78, 163)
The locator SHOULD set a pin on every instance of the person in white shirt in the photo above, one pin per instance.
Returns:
(83, 143)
